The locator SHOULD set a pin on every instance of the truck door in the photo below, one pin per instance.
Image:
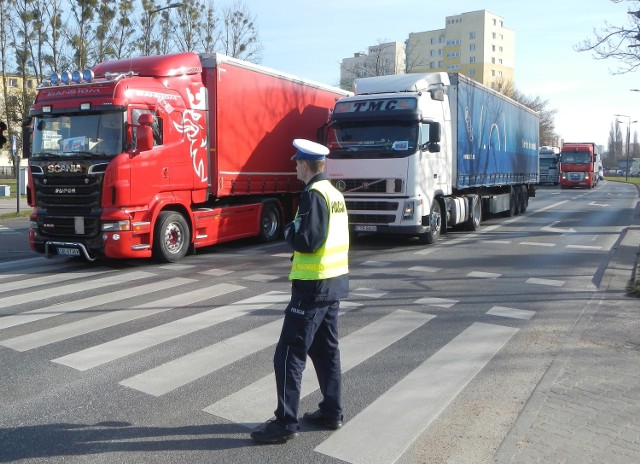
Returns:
(149, 169)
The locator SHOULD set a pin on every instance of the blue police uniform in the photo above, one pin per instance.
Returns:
(310, 322)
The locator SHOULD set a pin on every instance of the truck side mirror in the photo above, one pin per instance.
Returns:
(144, 132)
(434, 137)
(26, 137)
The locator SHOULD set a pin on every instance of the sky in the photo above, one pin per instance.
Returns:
(309, 39)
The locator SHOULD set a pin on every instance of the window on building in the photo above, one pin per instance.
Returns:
(493, 72)
(493, 48)
(493, 34)
(501, 23)
(432, 40)
(432, 52)
(495, 22)
(472, 59)
(472, 35)
(432, 64)
(499, 60)
(472, 72)
(440, 52)
(439, 64)
(13, 82)
(472, 47)
(493, 60)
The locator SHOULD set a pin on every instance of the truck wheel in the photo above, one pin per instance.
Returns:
(270, 222)
(171, 237)
(435, 225)
(475, 213)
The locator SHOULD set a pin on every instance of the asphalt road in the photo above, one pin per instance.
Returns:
(442, 345)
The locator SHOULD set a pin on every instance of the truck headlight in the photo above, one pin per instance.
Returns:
(116, 226)
(408, 209)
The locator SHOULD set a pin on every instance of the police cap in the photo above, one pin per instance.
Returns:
(308, 150)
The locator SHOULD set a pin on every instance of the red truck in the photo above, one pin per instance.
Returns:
(159, 155)
(579, 165)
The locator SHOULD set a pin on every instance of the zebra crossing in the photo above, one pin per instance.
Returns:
(421, 395)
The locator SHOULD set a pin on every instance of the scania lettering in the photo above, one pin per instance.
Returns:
(416, 154)
(161, 155)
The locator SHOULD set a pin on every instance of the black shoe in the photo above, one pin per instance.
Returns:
(272, 432)
(317, 418)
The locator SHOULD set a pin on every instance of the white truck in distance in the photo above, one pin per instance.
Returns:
(415, 154)
(549, 165)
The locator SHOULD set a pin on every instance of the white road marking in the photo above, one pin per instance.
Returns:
(110, 319)
(255, 403)
(540, 244)
(115, 349)
(553, 283)
(439, 302)
(513, 313)
(483, 275)
(383, 431)
(425, 269)
(78, 305)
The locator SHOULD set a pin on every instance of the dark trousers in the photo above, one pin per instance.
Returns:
(308, 328)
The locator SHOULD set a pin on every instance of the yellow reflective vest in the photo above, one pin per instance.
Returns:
(331, 259)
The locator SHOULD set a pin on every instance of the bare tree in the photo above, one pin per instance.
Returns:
(123, 47)
(210, 30)
(82, 34)
(239, 37)
(383, 59)
(615, 143)
(547, 128)
(618, 42)
(189, 26)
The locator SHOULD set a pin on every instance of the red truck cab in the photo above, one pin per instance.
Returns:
(578, 165)
(155, 156)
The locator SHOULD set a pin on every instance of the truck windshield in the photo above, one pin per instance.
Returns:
(575, 157)
(96, 134)
(548, 162)
(379, 139)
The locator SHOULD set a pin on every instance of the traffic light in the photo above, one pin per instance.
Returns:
(3, 139)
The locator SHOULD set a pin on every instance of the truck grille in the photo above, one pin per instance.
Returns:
(368, 185)
(72, 205)
(353, 205)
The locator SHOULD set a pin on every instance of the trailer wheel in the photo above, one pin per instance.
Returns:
(171, 237)
(525, 199)
(513, 204)
(270, 222)
(475, 213)
(435, 225)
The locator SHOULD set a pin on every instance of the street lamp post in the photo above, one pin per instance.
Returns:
(147, 36)
(629, 122)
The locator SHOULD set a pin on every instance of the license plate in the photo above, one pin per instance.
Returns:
(360, 228)
(68, 251)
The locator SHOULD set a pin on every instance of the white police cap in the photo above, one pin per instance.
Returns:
(308, 150)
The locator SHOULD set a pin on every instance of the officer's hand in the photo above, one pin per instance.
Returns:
(289, 229)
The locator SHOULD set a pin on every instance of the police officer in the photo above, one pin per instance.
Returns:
(319, 236)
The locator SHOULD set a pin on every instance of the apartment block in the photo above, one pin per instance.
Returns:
(476, 44)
